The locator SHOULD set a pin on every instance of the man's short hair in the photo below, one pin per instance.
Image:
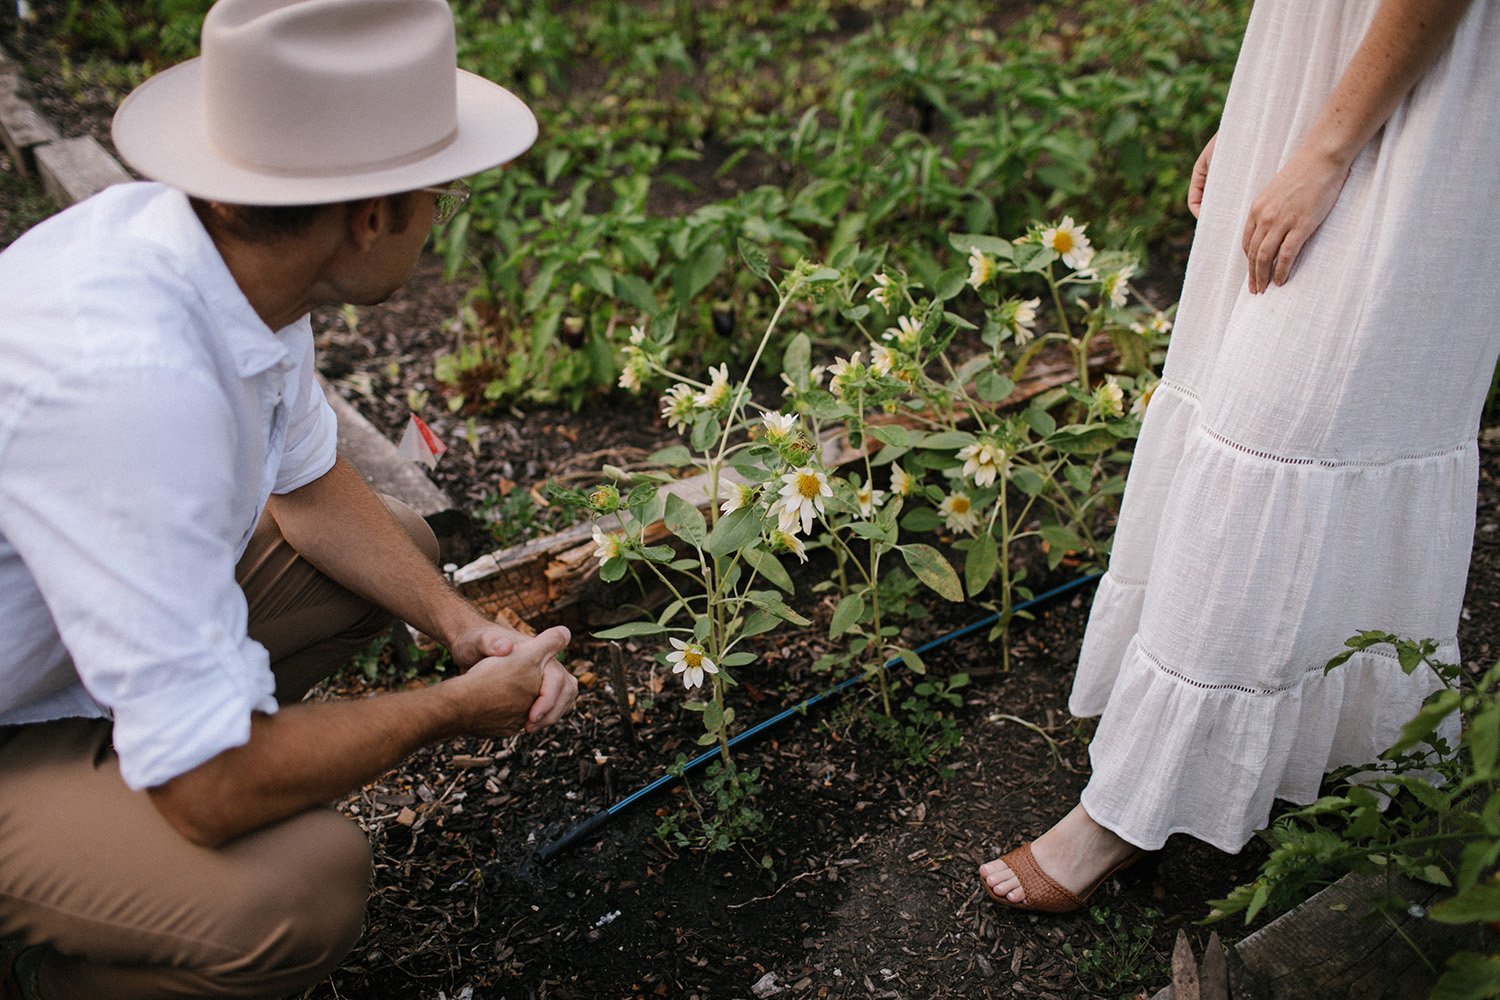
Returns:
(270, 223)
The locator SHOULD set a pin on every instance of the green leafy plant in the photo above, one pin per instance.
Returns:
(1121, 958)
(1442, 824)
(967, 479)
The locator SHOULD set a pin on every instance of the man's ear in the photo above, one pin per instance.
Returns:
(364, 221)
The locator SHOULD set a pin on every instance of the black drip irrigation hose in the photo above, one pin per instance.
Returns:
(594, 822)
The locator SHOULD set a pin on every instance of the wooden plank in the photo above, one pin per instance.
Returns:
(1184, 969)
(373, 454)
(1336, 946)
(22, 129)
(75, 169)
(1213, 975)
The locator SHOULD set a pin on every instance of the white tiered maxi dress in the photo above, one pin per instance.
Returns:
(1308, 464)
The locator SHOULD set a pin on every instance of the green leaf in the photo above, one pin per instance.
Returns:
(846, 615)
(685, 521)
(770, 568)
(759, 621)
(1477, 903)
(1081, 440)
(737, 659)
(982, 562)
(993, 387)
(755, 259)
(612, 570)
(932, 569)
(1470, 976)
(634, 291)
(913, 661)
(891, 434)
(921, 519)
(672, 456)
(1039, 420)
(1027, 481)
(630, 629)
(767, 601)
(734, 531)
(796, 361)
(705, 433)
(692, 276)
(996, 247)
(1258, 900)
(1484, 741)
(944, 440)
(950, 283)
(1060, 537)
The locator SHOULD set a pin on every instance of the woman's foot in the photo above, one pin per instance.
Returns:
(1076, 853)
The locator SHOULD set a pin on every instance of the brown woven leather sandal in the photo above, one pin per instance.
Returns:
(1043, 893)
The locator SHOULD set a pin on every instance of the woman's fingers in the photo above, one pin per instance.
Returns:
(1200, 177)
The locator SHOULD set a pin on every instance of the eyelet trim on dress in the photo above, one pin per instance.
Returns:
(1161, 667)
(1323, 463)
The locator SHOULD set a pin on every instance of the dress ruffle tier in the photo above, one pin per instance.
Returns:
(1211, 663)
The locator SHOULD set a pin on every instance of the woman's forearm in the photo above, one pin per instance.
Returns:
(1404, 39)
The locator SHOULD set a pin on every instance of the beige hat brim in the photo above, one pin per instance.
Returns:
(159, 131)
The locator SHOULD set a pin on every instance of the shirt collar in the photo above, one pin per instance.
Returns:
(253, 345)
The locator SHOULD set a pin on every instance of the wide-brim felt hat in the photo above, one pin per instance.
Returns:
(301, 102)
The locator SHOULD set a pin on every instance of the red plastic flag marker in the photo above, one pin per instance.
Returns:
(419, 444)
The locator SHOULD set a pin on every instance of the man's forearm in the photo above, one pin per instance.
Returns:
(305, 755)
(340, 526)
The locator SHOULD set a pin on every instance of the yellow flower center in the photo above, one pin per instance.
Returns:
(692, 658)
(808, 486)
(960, 505)
(1062, 241)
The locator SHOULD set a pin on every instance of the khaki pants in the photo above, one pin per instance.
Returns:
(128, 908)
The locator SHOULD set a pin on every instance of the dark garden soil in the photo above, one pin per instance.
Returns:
(865, 884)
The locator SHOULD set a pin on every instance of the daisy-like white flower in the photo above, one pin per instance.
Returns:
(735, 496)
(1117, 284)
(718, 388)
(802, 494)
(1143, 399)
(1159, 323)
(678, 406)
(635, 369)
(689, 660)
(907, 333)
(883, 359)
(843, 371)
(958, 513)
(637, 335)
(869, 500)
(1023, 320)
(779, 426)
(607, 545)
(884, 291)
(981, 268)
(1071, 245)
(982, 461)
(901, 481)
(783, 541)
(1110, 398)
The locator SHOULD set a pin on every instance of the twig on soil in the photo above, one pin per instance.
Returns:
(1051, 743)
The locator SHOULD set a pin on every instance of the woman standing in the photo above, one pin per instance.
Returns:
(1308, 466)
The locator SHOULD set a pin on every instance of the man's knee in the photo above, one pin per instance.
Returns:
(415, 525)
(304, 912)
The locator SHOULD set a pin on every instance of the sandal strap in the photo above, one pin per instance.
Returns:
(1043, 893)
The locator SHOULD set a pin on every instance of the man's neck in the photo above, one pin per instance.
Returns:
(278, 277)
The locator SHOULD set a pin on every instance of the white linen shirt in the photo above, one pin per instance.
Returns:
(146, 413)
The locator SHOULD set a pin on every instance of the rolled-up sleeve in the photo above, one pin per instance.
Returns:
(125, 527)
(312, 432)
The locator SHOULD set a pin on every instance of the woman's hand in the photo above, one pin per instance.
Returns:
(1287, 212)
(1200, 176)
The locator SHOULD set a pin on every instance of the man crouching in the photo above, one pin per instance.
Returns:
(182, 554)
